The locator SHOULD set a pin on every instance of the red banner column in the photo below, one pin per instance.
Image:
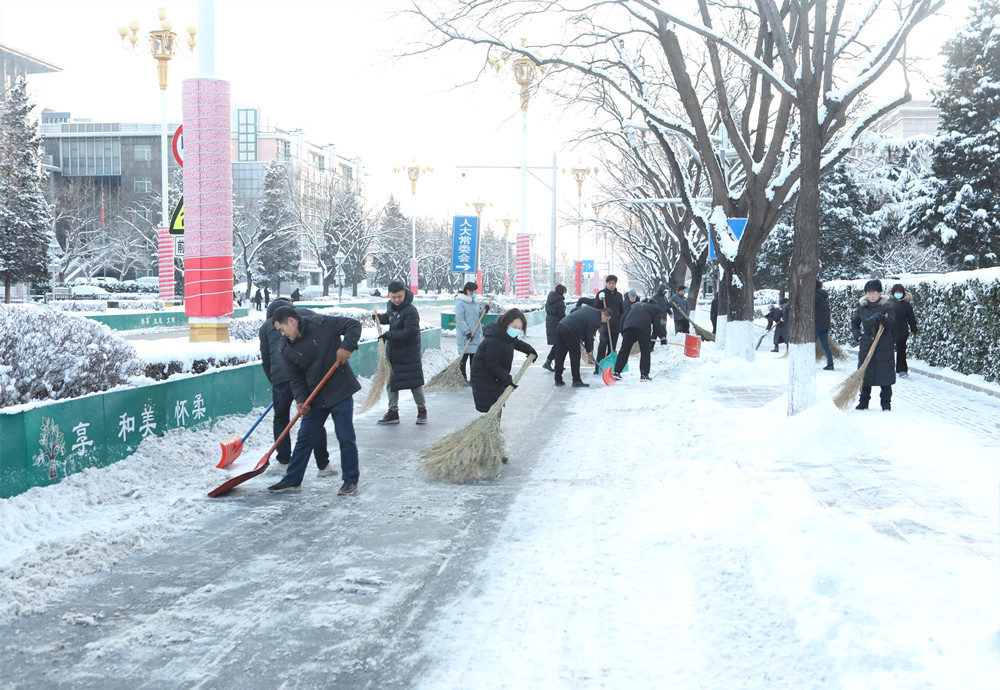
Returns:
(522, 283)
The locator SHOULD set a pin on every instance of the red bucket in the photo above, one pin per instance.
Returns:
(692, 346)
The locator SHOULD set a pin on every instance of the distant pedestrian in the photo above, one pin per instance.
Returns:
(874, 310)
(823, 323)
(267, 298)
(644, 323)
(490, 373)
(468, 329)
(402, 349)
(609, 298)
(631, 298)
(904, 323)
(312, 345)
(279, 374)
(678, 302)
(660, 298)
(578, 327)
(555, 311)
(773, 316)
(781, 327)
(257, 299)
(296, 295)
(713, 313)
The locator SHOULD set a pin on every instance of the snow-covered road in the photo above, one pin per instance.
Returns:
(683, 533)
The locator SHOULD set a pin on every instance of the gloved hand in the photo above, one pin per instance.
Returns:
(600, 295)
(511, 384)
(468, 338)
(533, 353)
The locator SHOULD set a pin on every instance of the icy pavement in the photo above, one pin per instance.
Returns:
(682, 534)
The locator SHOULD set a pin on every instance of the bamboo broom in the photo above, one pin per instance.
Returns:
(383, 372)
(846, 392)
(835, 349)
(476, 451)
(703, 333)
(450, 378)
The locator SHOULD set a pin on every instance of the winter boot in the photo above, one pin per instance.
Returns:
(775, 349)
(560, 382)
(645, 377)
(347, 489)
(422, 415)
(391, 417)
(828, 367)
(282, 486)
(548, 365)
(580, 384)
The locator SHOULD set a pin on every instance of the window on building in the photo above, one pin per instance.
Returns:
(142, 152)
(246, 134)
(142, 186)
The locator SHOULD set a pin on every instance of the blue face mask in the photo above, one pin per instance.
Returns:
(898, 295)
(513, 332)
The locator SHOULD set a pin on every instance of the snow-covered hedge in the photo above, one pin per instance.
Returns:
(958, 318)
(79, 305)
(161, 371)
(132, 303)
(48, 355)
(246, 328)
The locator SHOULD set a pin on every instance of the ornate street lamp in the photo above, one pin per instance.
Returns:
(580, 174)
(506, 253)
(161, 45)
(413, 172)
(479, 205)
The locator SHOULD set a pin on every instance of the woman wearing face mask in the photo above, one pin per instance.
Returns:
(490, 373)
(903, 323)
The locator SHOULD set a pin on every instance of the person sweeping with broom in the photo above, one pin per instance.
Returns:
(468, 333)
(875, 310)
(403, 351)
(645, 323)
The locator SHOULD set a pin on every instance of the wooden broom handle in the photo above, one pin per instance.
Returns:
(312, 395)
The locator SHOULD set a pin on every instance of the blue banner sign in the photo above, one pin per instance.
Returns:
(588, 265)
(465, 244)
(736, 226)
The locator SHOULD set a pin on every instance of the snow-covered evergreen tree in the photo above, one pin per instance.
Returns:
(279, 230)
(25, 222)
(961, 208)
(392, 260)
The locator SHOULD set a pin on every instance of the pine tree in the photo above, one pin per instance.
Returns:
(392, 261)
(279, 230)
(961, 207)
(25, 222)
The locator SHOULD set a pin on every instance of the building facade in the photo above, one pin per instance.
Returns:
(916, 118)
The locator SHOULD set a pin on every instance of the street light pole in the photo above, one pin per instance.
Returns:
(506, 252)
(580, 174)
(479, 205)
(413, 172)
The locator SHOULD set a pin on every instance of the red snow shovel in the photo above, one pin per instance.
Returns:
(233, 447)
(265, 461)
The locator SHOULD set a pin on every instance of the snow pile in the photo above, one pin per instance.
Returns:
(84, 305)
(47, 355)
(134, 304)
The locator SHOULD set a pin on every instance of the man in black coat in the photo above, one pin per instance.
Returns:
(609, 298)
(713, 312)
(402, 349)
(873, 311)
(630, 299)
(823, 323)
(312, 345)
(555, 310)
(680, 308)
(279, 375)
(659, 298)
(904, 323)
(579, 326)
(645, 322)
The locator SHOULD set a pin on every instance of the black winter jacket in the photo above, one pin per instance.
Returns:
(679, 307)
(490, 372)
(613, 300)
(649, 318)
(271, 344)
(312, 354)
(555, 310)
(822, 310)
(582, 324)
(867, 317)
(903, 317)
(402, 344)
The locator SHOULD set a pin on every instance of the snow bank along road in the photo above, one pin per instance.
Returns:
(678, 534)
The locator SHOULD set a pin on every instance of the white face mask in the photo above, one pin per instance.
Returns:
(513, 332)
(898, 295)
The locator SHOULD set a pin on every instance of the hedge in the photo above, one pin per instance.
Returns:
(958, 318)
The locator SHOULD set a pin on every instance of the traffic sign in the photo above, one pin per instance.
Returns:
(588, 265)
(465, 244)
(179, 145)
(177, 219)
(736, 226)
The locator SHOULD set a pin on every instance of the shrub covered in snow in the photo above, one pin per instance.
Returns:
(958, 318)
(246, 328)
(79, 305)
(138, 304)
(160, 371)
(48, 355)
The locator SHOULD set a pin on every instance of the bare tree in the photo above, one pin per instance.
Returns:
(803, 70)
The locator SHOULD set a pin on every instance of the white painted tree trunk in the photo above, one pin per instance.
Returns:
(801, 377)
(720, 335)
(739, 340)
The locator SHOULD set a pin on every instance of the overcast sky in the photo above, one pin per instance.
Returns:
(326, 67)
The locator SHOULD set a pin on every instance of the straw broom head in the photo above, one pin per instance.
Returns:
(450, 378)
(475, 451)
(703, 333)
(835, 349)
(846, 392)
(383, 372)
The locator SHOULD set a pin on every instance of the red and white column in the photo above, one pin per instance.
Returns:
(208, 209)
(165, 263)
(522, 261)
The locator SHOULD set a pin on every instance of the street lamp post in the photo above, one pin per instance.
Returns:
(161, 46)
(54, 252)
(413, 171)
(597, 246)
(506, 253)
(479, 205)
(339, 260)
(580, 174)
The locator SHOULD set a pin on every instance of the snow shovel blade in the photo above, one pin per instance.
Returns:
(608, 377)
(608, 362)
(232, 448)
(227, 485)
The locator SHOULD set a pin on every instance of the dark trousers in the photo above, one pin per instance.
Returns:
(552, 353)
(309, 431)
(824, 341)
(567, 343)
(281, 396)
(681, 325)
(885, 397)
(604, 347)
(631, 336)
(901, 353)
(461, 365)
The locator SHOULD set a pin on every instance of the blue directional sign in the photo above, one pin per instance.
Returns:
(588, 265)
(736, 226)
(465, 244)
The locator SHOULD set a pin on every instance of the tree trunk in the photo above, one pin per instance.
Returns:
(694, 287)
(723, 319)
(739, 323)
(6, 291)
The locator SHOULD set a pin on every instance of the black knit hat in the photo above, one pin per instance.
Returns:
(873, 285)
